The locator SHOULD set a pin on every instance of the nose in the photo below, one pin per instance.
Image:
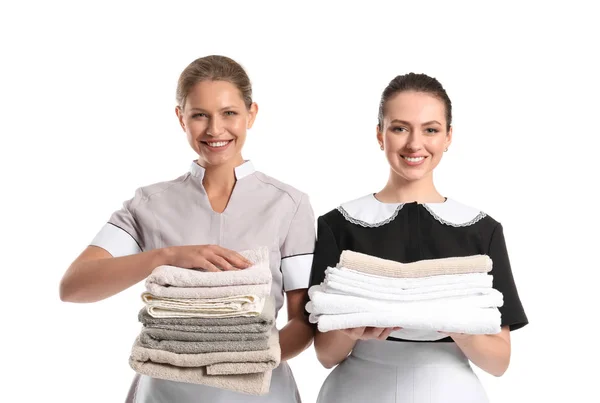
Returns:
(215, 127)
(414, 142)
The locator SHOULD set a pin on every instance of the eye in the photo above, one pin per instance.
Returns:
(431, 131)
(398, 129)
(199, 115)
(230, 113)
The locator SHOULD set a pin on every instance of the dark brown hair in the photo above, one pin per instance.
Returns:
(418, 83)
(214, 68)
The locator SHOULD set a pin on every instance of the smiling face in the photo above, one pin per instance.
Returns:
(215, 119)
(414, 134)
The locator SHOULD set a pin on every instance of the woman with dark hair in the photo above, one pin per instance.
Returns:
(407, 221)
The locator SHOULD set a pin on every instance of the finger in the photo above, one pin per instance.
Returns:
(385, 334)
(376, 332)
(348, 333)
(369, 333)
(221, 263)
(234, 258)
(206, 265)
(354, 333)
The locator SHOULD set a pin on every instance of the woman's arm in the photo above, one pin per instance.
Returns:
(490, 352)
(297, 335)
(96, 274)
(333, 347)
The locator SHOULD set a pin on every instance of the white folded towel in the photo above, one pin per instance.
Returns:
(159, 307)
(331, 304)
(403, 295)
(440, 318)
(406, 286)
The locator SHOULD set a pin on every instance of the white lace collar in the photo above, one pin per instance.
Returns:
(367, 211)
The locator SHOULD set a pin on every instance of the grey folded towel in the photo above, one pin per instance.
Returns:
(195, 347)
(256, 324)
(246, 372)
(165, 334)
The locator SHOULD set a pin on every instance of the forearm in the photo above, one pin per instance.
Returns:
(491, 353)
(332, 347)
(295, 337)
(96, 279)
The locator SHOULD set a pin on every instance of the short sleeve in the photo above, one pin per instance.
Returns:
(298, 246)
(327, 253)
(513, 314)
(122, 235)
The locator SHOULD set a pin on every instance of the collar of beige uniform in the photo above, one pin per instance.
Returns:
(241, 171)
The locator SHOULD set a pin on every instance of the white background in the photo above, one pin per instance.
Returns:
(87, 115)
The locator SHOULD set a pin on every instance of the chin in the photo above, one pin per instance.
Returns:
(410, 176)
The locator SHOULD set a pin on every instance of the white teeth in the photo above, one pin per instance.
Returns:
(217, 143)
(415, 159)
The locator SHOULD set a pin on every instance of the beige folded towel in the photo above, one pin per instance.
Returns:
(423, 268)
(258, 273)
(159, 307)
(246, 372)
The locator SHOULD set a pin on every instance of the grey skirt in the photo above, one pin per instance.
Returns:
(403, 372)
(145, 389)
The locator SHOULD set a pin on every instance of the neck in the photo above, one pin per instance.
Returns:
(219, 180)
(400, 190)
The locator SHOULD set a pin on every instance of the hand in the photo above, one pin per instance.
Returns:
(366, 333)
(206, 257)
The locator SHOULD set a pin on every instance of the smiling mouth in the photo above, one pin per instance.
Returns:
(413, 159)
(217, 144)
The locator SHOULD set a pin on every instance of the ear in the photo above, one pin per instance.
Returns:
(449, 137)
(179, 113)
(379, 135)
(252, 112)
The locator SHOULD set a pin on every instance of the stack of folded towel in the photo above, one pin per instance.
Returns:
(211, 328)
(424, 298)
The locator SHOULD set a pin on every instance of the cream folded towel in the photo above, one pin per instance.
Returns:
(246, 372)
(204, 308)
(331, 304)
(171, 281)
(235, 324)
(423, 268)
(208, 292)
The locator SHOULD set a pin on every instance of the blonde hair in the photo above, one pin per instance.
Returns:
(214, 68)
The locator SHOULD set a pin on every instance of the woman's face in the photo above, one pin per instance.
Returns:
(215, 120)
(414, 134)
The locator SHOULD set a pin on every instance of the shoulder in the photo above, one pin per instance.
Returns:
(457, 214)
(283, 189)
(150, 192)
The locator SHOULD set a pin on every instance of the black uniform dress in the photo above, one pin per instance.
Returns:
(408, 232)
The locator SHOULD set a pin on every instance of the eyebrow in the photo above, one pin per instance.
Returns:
(403, 122)
(220, 110)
